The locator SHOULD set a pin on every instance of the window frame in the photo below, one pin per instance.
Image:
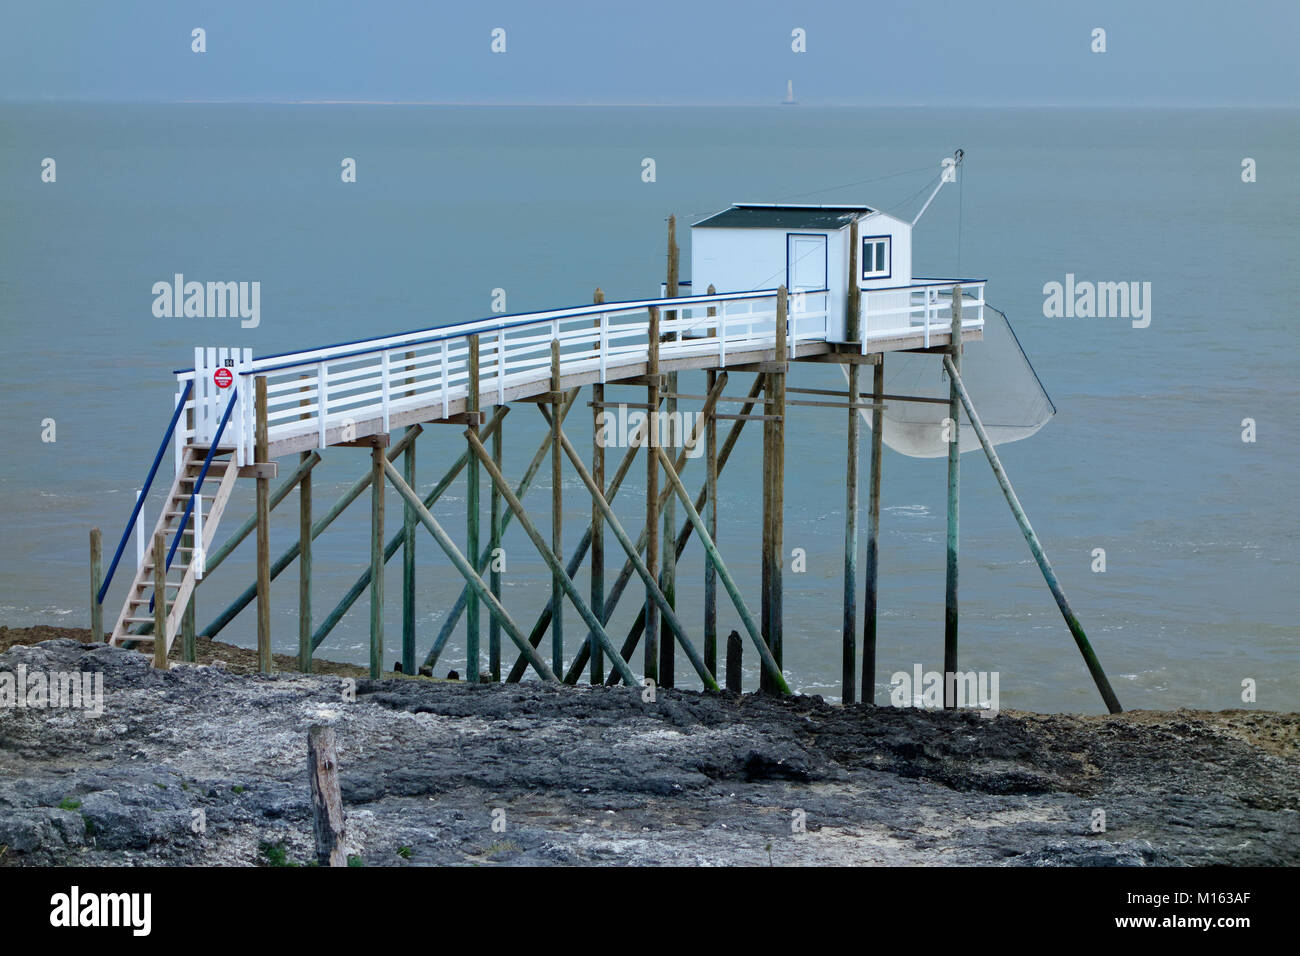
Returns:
(889, 258)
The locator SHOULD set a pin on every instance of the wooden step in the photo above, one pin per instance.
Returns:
(146, 585)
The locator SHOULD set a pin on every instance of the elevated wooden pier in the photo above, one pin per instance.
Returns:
(237, 415)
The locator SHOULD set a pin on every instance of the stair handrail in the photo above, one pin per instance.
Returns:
(194, 492)
(144, 493)
(198, 482)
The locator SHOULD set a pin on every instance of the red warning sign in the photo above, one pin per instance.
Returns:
(223, 377)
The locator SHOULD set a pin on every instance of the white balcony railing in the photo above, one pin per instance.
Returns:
(319, 390)
(924, 306)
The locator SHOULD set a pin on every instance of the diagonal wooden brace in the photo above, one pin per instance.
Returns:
(652, 586)
(549, 556)
(483, 592)
(769, 663)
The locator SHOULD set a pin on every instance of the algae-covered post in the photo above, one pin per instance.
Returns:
(735, 653)
(849, 623)
(711, 516)
(494, 549)
(870, 600)
(774, 494)
(261, 456)
(408, 539)
(652, 498)
(473, 660)
(304, 546)
(557, 515)
(954, 516)
(96, 579)
(668, 576)
(377, 462)
(597, 530)
(160, 601)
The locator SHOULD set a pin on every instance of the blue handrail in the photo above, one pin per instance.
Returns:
(198, 485)
(139, 502)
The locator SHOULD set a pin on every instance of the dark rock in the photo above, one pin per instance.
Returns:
(197, 765)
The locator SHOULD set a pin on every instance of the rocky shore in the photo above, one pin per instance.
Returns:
(205, 766)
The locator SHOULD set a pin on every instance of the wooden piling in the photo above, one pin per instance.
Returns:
(189, 643)
(408, 543)
(494, 560)
(652, 502)
(954, 490)
(853, 327)
(262, 455)
(774, 495)
(377, 461)
(853, 301)
(96, 582)
(668, 576)
(848, 662)
(765, 552)
(472, 655)
(557, 515)
(160, 601)
(597, 527)
(778, 486)
(304, 554)
(711, 520)
(735, 651)
(328, 820)
(869, 599)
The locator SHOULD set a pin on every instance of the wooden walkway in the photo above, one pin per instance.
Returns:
(240, 415)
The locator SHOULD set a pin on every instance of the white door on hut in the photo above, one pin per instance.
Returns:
(805, 262)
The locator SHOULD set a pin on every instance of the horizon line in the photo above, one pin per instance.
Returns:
(641, 104)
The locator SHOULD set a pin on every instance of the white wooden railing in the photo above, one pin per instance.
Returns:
(924, 306)
(313, 391)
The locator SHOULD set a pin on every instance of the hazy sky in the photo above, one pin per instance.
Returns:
(869, 52)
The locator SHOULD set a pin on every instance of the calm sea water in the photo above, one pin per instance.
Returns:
(1145, 458)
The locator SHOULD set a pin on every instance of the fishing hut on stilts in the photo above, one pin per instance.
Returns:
(814, 284)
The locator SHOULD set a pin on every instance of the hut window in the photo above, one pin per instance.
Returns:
(875, 257)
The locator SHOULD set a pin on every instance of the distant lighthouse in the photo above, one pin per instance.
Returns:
(789, 94)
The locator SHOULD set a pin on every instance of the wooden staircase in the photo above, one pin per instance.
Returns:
(135, 622)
